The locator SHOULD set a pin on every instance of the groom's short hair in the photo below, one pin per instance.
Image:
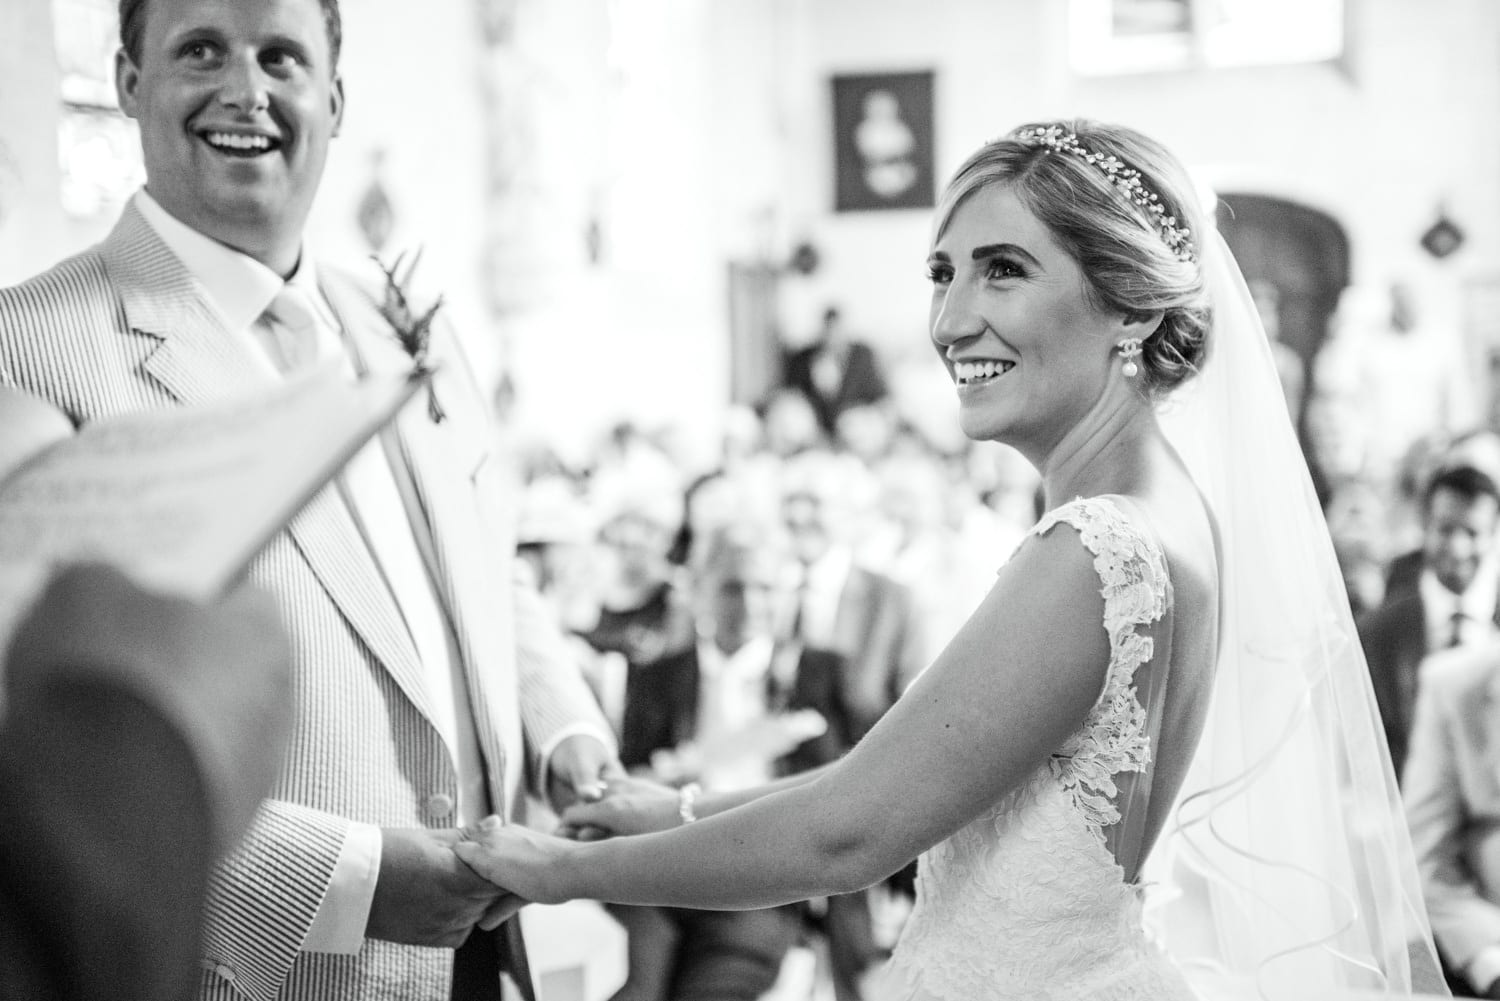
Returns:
(133, 29)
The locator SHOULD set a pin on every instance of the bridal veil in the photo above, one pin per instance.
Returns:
(1287, 858)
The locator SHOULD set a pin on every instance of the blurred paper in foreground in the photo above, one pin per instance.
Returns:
(181, 499)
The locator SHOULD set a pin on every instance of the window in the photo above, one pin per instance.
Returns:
(1131, 36)
(97, 148)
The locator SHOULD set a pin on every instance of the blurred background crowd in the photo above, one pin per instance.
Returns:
(685, 241)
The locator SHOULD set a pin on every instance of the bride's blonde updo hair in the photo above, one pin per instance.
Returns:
(1134, 257)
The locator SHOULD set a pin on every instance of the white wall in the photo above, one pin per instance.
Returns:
(33, 230)
(699, 132)
(1409, 121)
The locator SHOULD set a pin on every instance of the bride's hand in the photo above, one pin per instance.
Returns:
(516, 859)
(629, 806)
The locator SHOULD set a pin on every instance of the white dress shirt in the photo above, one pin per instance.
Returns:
(732, 693)
(241, 289)
(821, 590)
(1476, 605)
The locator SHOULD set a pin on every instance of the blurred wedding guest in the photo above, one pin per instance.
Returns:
(1453, 808)
(642, 612)
(1356, 522)
(1480, 448)
(556, 545)
(432, 688)
(835, 372)
(790, 424)
(138, 735)
(554, 539)
(734, 709)
(1388, 376)
(1453, 604)
(867, 432)
(943, 551)
(1267, 298)
(841, 604)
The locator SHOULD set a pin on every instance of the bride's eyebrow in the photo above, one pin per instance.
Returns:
(1002, 250)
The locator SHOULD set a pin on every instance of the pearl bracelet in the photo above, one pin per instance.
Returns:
(686, 797)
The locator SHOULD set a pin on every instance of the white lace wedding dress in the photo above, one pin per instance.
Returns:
(1027, 901)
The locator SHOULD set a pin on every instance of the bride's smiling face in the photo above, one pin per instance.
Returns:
(1012, 319)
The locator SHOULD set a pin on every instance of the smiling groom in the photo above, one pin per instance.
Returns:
(431, 687)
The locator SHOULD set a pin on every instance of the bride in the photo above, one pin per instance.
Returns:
(1180, 591)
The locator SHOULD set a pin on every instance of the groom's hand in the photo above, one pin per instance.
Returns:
(631, 805)
(578, 769)
(425, 895)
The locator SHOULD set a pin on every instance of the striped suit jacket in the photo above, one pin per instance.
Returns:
(123, 327)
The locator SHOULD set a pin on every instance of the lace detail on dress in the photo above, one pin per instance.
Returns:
(1025, 902)
(1133, 576)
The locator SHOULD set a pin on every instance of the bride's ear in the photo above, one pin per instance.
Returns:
(1135, 323)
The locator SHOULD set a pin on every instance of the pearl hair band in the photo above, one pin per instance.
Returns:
(1127, 179)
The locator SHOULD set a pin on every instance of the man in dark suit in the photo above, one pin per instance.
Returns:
(835, 372)
(736, 709)
(1451, 603)
(866, 616)
(432, 687)
(139, 735)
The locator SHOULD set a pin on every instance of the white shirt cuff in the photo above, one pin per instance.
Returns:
(339, 925)
(544, 759)
(1484, 969)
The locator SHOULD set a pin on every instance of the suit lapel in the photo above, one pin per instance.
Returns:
(326, 535)
(197, 358)
(440, 474)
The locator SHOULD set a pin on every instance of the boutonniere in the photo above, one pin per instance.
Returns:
(412, 329)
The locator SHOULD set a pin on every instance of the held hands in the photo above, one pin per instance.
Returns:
(425, 896)
(430, 892)
(629, 806)
(578, 770)
(519, 859)
(524, 865)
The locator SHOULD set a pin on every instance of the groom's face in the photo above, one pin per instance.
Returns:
(237, 101)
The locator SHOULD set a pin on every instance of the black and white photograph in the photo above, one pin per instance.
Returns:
(789, 500)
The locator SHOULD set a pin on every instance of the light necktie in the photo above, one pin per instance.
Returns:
(799, 608)
(288, 329)
(1456, 629)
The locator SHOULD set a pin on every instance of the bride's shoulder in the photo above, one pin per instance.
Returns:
(1105, 523)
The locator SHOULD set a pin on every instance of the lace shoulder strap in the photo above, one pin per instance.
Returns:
(1135, 587)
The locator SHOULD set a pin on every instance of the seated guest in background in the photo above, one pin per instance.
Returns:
(733, 710)
(1453, 604)
(840, 604)
(835, 372)
(1453, 808)
(642, 613)
(1479, 448)
(791, 424)
(139, 734)
(556, 548)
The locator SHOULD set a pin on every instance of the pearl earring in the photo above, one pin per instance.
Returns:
(1130, 350)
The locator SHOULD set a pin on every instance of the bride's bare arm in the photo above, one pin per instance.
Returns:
(1020, 676)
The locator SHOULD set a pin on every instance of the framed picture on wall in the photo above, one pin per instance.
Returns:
(882, 125)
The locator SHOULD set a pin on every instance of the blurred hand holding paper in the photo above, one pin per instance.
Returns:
(181, 499)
